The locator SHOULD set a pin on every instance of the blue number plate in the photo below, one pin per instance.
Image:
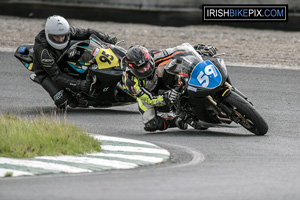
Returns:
(205, 75)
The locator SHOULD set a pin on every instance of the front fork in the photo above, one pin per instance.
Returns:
(231, 88)
(223, 112)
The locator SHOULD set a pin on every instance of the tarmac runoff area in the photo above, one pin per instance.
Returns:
(117, 153)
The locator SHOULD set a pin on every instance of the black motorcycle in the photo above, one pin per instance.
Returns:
(92, 59)
(207, 98)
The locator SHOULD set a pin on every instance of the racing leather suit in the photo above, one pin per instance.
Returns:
(48, 72)
(146, 91)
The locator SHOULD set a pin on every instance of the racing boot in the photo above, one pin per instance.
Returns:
(157, 123)
(180, 123)
(175, 122)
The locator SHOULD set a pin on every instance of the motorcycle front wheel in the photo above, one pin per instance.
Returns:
(246, 115)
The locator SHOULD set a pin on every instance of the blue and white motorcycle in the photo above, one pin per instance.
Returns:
(207, 98)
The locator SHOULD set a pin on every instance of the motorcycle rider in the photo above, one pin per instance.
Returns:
(50, 44)
(143, 78)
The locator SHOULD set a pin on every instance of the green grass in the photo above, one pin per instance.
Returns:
(8, 174)
(27, 138)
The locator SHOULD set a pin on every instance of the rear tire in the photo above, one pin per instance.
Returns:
(249, 118)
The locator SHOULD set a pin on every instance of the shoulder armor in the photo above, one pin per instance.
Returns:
(129, 79)
(46, 58)
(72, 30)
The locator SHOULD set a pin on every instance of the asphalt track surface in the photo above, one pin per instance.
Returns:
(219, 163)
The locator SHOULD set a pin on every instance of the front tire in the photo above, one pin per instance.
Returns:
(246, 115)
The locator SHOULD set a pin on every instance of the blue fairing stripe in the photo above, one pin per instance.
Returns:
(78, 70)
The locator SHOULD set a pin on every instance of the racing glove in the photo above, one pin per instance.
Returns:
(111, 40)
(207, 50)
(171, 97)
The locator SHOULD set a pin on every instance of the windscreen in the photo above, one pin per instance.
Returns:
(185, 61)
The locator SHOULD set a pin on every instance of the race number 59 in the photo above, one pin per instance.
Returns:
(203, 77)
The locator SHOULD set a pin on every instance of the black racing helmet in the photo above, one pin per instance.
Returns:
(140, 62)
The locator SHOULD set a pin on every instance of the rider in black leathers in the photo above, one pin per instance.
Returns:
(50, 44)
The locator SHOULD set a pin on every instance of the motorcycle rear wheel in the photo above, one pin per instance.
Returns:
(246, 114)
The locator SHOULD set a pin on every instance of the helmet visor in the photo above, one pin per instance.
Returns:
(143, 71)
(59, 39)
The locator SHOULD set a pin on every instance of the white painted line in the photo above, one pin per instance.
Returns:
(134, 149)
(115, 139)
(43, 165)
(8, 49)
(131, 157)
(87, 160)
(14, 172)
(269, 66)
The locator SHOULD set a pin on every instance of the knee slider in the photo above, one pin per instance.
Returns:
(62, 99)
(157, 123)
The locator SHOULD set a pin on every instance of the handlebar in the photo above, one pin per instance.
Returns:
(119, 42)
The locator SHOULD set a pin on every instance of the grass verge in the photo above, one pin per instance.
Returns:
(27, 138)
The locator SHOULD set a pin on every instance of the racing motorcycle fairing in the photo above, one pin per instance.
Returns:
(204, 74)
(207, 98)
(207, 77)
(184, 64)
(93, 54)
(93, 59)
(24, 53)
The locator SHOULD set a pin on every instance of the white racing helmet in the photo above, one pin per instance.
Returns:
(57, 26)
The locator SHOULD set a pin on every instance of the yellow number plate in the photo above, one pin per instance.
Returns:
(106, 59)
